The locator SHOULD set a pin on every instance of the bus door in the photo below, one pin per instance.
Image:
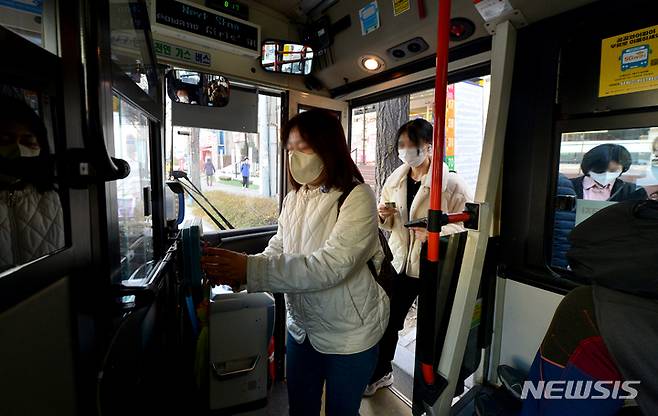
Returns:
(44, 218)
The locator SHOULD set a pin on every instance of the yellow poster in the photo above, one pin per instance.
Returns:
(400, 6)
(629, 62)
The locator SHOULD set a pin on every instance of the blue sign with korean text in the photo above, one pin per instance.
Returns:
(369, 17)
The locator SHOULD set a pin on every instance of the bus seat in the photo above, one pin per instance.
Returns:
(572, 349)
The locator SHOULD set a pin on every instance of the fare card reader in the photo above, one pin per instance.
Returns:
(241, 326)
(240, 330)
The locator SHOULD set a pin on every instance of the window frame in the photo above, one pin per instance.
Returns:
(216, 235)
(55, 75)
(462, 74)
(114, 82)
(613, 122)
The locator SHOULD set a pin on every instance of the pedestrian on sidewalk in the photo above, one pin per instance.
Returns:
(245, 168)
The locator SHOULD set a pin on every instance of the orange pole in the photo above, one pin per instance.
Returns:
(440, 87)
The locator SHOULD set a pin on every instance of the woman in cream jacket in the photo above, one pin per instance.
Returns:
(337, 313)
(409, 188)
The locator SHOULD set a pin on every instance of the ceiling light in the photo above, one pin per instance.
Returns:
(371, 63)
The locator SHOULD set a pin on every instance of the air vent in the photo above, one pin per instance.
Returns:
(408, 49)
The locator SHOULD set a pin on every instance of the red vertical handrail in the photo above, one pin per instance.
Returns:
(440, 86)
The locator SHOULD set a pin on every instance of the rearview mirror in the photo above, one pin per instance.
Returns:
(286, 57)
(199, 88)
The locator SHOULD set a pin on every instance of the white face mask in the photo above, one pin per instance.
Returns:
(605, 178)
(412, 156)
(18, 150)
(305, 168)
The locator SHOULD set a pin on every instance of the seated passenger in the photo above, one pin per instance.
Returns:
(337, 312)
(602, 337)
(602, 166)
(31, 220)
(408, 188)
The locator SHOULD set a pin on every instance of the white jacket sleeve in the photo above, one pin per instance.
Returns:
(348, 248)
(275, 245)
(459, 196)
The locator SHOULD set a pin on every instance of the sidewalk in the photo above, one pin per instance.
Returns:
(232, 189)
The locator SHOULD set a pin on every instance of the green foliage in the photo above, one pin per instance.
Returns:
(243, 211)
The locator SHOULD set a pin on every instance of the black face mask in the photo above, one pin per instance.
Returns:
(36, 170)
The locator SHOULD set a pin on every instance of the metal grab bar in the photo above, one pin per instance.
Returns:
(227, 374)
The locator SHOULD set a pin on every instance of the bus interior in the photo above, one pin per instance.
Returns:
(163, 123)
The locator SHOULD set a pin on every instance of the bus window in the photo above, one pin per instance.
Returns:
(131, 143)
(33, 221)
(237, 171)
(32, 20)
(130, 45)
(597, 169)
(466, 115)
(364, 140)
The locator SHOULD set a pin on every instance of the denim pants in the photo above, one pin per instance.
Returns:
(346, 377)
(405, 291)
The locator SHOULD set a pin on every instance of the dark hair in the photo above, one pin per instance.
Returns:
(17, 111)
(419, 131)
(598, 158)
(322, 131)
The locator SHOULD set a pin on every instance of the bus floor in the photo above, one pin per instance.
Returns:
(383, 403)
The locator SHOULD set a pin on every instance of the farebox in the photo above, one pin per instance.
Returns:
(240, 328)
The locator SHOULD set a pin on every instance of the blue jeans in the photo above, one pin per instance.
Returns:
(346, 376)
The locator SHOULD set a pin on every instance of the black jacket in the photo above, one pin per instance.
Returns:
(563, 223)
(621, 191)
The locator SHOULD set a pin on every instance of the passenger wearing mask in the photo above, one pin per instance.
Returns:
(408, 187)
(337, 312)
(31, 220)
(602, 166)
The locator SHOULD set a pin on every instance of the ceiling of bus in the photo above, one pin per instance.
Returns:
(349, 45)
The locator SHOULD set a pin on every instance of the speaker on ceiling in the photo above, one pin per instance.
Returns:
(408, 49)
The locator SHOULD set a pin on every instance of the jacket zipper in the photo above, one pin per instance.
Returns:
(13, 234)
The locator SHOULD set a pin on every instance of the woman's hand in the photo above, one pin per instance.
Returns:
(224, 266)
(420, 234)
(385, 212)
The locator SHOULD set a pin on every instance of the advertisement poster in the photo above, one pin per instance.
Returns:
(470, 112)
(629, 62)
(450, 127)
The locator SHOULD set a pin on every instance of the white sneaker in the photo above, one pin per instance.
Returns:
(385, 381)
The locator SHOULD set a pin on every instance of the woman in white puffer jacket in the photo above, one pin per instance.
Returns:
(409, 188)
(337, 312)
